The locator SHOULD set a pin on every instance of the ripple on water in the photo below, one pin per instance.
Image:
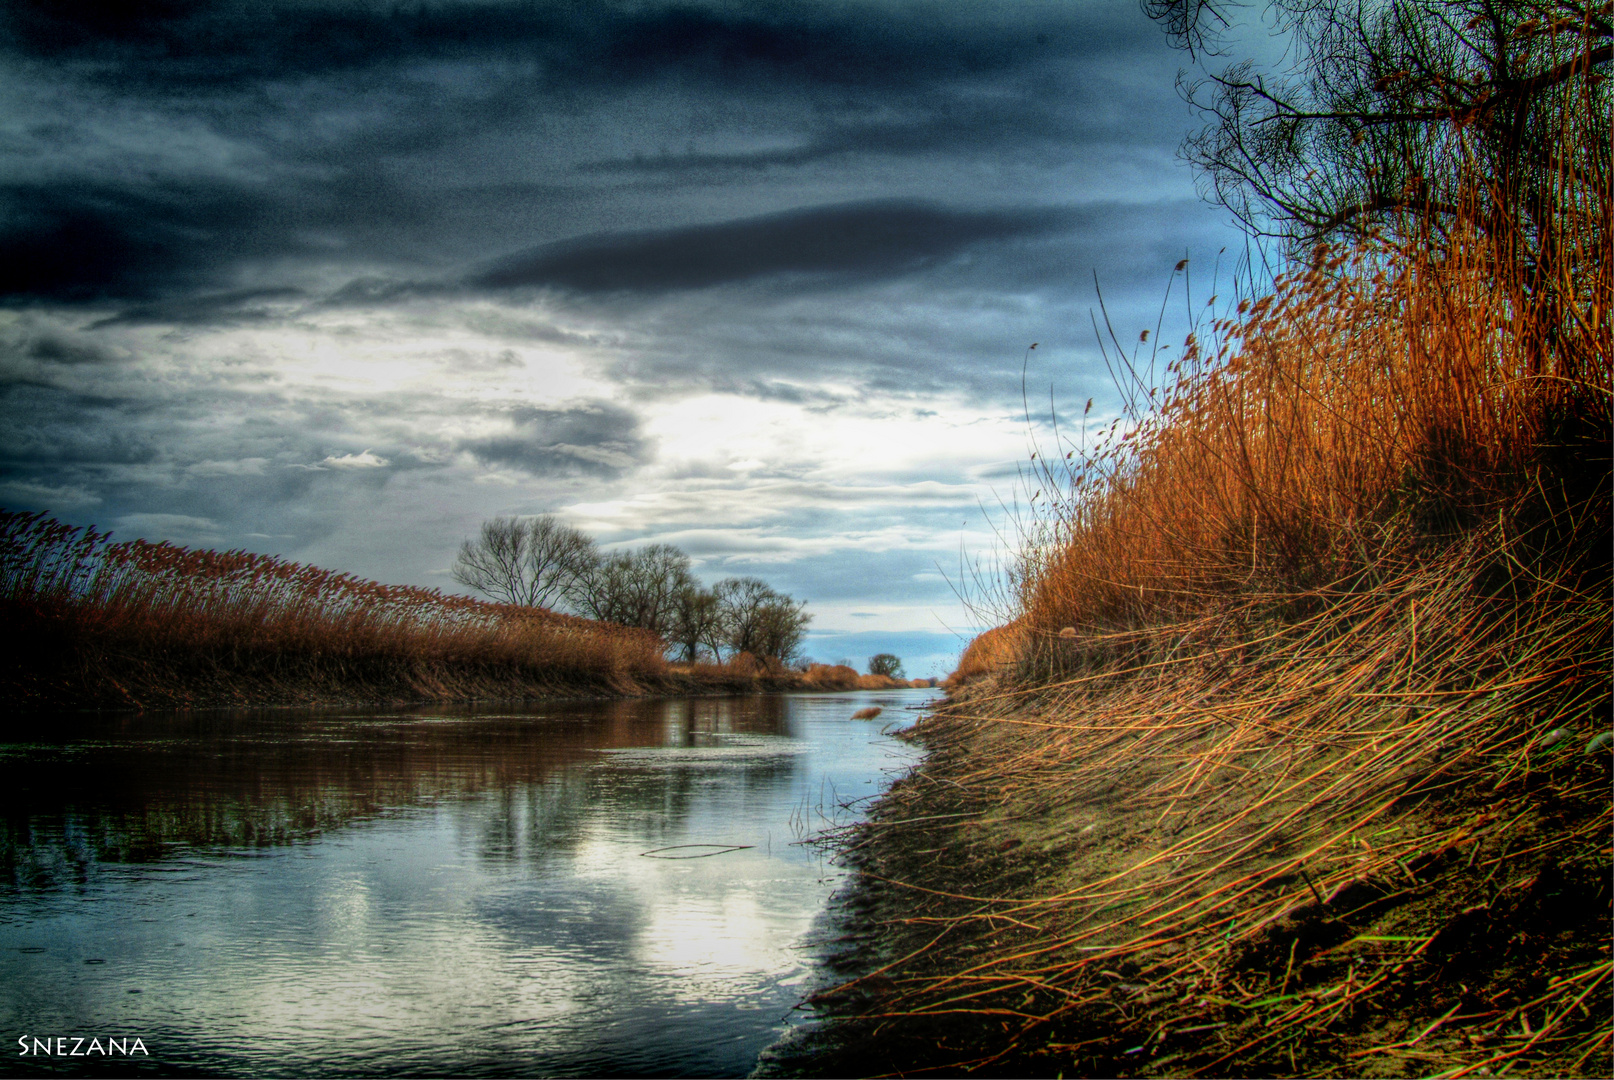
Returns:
(454, 893)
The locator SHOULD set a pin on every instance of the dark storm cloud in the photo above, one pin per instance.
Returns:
(57, 348)
(69, 428)
(76, 240)
(597, 438)
(240, 305)
(386, 133)
(861, 241)
(190, 45)
(949, 323)
(1014, 125)
(370, 291)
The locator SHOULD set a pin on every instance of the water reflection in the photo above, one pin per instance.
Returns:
(134, 789)
(438, 891)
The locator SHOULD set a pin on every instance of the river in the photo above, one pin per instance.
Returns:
(601, 888)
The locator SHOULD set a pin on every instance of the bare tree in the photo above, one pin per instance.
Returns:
(697, 623)
(636, 588)
(531, 562)
(1491, 110)
(740, 601)
(539, 562)
(1431, 121)
(758, 620)
(783, 629)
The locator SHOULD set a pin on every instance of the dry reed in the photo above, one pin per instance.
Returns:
(131, 623)
(1290, 760)
(1317, 844)
(1378, 399)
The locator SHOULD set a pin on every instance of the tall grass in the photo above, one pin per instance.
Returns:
(103, 622)
(1381, 399)
(1294, 759)
(1376, 840)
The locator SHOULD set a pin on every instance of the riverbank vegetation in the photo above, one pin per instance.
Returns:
(541, 561)
(1292, 754)
(95, 623)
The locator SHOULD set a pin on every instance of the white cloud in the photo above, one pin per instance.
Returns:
(366, 460)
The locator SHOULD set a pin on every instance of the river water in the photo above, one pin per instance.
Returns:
(604, 888)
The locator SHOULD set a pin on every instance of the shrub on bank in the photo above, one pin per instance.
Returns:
(834, 677)
(829, 677)
(992, 650)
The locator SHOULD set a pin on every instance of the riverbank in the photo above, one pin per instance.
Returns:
(95, 624)
(1291, 754)
(57, 666)
(1326, 860)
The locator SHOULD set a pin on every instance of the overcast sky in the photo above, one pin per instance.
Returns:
(337, 281)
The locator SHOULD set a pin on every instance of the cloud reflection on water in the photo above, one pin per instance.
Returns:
(450, 892)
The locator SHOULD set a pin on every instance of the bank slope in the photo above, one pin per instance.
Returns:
(1294, 758)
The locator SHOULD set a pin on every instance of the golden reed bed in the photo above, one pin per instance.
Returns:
(1291, 756)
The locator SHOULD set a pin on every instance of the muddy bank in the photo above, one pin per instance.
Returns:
(1121, 878)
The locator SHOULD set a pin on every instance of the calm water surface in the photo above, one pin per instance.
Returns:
(427, 892)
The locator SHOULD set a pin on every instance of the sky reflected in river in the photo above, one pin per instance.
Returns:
(504, 892)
